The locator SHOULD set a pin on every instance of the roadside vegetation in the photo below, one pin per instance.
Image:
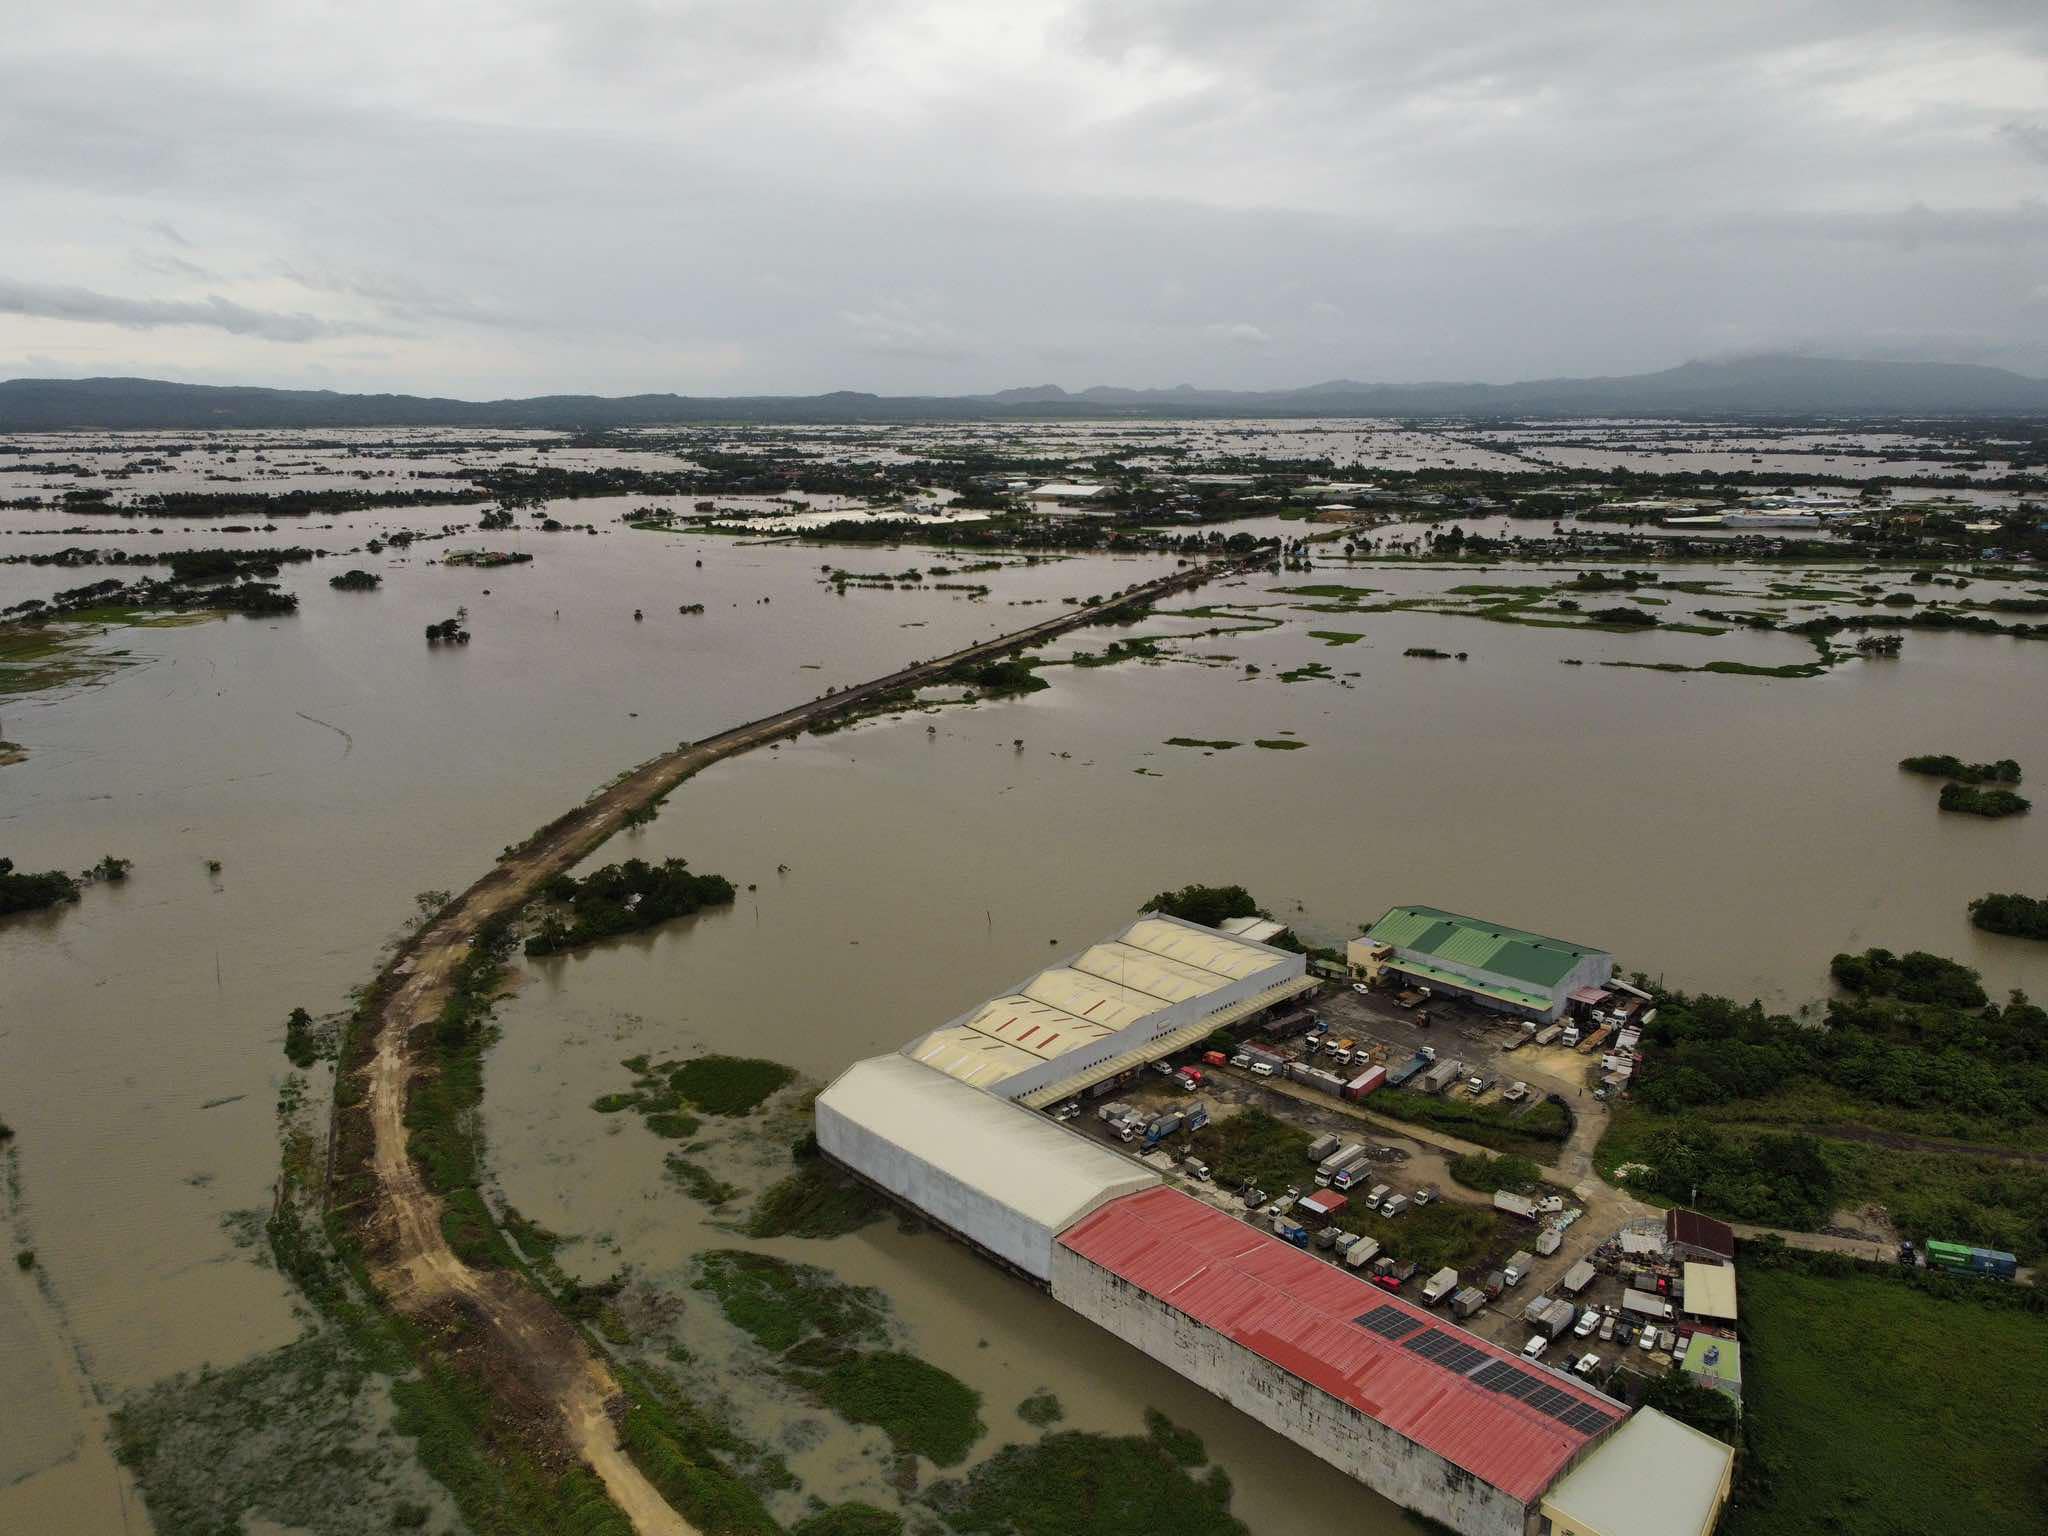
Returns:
(1919, 1094)
(1534, 1132)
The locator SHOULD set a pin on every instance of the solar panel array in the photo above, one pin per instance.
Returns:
(1524, 1386)
(1388, 1322)
(1446, 1350)
(1453, 1354)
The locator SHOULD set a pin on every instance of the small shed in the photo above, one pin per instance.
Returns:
(1710, 1292)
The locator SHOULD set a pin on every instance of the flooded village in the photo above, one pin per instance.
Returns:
(869, 919)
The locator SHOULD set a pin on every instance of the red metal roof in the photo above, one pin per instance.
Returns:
(1298, 1312)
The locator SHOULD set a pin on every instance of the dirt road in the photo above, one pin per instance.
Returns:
(518, 1341)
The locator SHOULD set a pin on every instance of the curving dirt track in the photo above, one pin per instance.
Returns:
(516, 1338)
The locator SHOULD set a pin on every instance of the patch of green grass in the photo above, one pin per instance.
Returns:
(729, 1085)
(1196, 741)
(815, 1201)
(1871, 1407)
(1075, 1484)
(1278, 745)
(780, 1305)
(1491, 1125)
(1253, 1147)
(1444, 1232)
(923, 1410)
(699, 1182)
(1041, 1410)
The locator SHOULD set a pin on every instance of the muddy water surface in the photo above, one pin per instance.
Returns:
(1722, 832)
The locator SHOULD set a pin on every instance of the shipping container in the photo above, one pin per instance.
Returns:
(1366, 1082)
(1961, 1259)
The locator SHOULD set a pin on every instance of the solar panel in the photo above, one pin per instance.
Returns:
(1388, 1322)
(1498, 1376)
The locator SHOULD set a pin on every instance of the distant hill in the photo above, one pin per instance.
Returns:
(1774, 386)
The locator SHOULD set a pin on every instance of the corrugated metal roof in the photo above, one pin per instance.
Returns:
(1697, 1231)
(1156, 964)
(1302, 1315)
(1529, 958)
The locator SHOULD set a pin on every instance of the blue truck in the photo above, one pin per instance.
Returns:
(1409, 1068)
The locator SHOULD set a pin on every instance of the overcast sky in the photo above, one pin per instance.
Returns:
(783, 196)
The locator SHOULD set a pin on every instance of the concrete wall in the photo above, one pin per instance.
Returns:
(1005, 1232)
(1353, 1442)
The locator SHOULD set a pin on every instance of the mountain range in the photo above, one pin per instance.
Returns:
(1774, 385)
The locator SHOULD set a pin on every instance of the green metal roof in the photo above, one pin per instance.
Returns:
(1515, 995)
(1529, 958)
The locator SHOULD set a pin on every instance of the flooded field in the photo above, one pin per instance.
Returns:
(1724, 832)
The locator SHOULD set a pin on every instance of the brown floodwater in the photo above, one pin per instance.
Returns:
(1720, 832)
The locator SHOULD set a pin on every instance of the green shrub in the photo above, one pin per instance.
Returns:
(729, 1085)
(923, 1410)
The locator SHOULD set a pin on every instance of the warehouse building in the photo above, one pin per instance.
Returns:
(1504, 969)
(1434, 1418)
(998, 1177)
(1655, 1477)
(1159, 986)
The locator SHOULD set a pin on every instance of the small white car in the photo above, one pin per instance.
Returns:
(1533, 1350)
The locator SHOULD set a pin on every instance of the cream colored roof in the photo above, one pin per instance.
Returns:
(1155, 965)
(1710, 1291)
(1205, 947)
(1174, 981)
(1652, 1477)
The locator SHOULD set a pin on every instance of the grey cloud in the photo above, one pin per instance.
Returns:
(46, 301)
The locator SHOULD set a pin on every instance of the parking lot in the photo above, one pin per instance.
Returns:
(1412, 1164)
